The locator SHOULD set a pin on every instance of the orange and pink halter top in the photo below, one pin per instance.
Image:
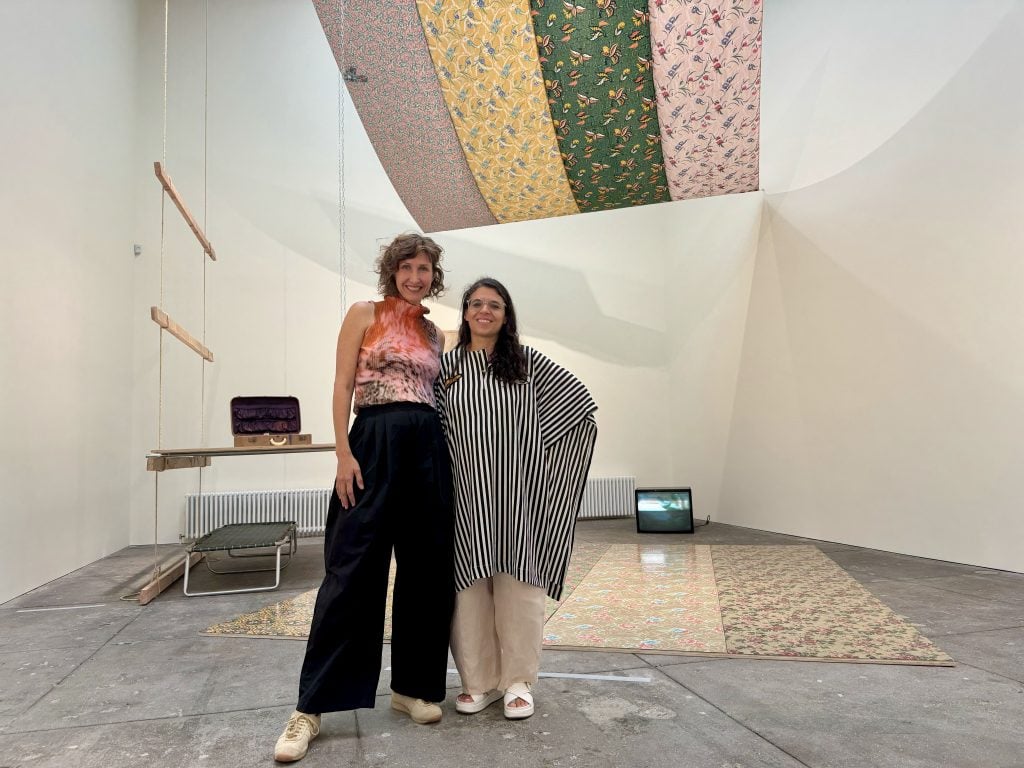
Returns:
(400, 356)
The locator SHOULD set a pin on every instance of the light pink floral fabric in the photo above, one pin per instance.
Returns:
(707, 82)
(402, 110)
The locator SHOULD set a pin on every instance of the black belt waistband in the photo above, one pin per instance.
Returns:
(371, 410)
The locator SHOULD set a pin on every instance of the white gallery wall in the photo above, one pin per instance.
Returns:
(834, 357)
(881, 391)
(66, 217)
(604, 294)
(251, 145)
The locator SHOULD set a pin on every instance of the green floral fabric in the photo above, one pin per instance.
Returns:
(596, 60)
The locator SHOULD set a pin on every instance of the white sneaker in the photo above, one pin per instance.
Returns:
(294, 742)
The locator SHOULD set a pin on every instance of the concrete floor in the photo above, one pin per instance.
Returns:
(105, 682)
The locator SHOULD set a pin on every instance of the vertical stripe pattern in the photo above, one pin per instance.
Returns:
(520, 455)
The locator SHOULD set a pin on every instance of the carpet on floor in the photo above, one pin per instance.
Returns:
(769, 602)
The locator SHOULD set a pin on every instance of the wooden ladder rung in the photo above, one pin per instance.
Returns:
(161, 318)
(169, 187)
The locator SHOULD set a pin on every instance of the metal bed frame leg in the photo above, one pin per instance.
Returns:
(276, 584)
(290, 541)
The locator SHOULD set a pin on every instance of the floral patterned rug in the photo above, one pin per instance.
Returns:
(776, 602)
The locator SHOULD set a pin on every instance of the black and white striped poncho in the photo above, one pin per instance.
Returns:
(520, 455)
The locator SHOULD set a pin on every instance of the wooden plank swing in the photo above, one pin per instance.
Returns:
(162, 575)
(165, 574)
(160, 459)
(172, 193)
(162, 319)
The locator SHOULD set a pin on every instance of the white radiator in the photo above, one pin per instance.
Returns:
(306, 506)
(608, 497)
(602, 497)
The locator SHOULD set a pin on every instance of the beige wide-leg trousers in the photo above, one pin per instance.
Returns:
(497, 631)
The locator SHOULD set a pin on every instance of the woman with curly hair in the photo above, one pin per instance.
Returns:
(521, 434)
(392, 489)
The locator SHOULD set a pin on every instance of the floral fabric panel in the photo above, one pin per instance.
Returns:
(795, 601)
(776, 601)
(596, 58)
(403, 112)
(486, 62)
(707, 73)
(667, 602)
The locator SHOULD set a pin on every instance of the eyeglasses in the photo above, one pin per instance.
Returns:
(477, 304)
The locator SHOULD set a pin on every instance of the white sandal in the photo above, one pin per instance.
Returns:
(518, 691)
(480, 702)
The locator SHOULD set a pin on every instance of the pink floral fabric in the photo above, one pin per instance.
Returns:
(707, 82)
(403, 112)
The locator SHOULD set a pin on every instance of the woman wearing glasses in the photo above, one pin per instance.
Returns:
(521, 434)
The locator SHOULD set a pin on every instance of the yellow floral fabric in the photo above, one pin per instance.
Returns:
(485, 55)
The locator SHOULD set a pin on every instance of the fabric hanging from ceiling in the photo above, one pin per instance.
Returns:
(403, 112)
(707, 72)
(596, 61)
(495, 111)
(486, 61)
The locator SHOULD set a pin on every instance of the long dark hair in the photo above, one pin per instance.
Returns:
(508, 362)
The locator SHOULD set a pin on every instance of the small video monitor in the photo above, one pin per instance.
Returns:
(664, 510)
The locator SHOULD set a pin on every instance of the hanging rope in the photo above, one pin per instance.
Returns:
(202, 255)
(157, 571)
(342, 225)
(160, 364)
(160, 375)
(342, 276)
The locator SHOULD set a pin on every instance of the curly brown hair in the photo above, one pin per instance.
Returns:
(406, 247)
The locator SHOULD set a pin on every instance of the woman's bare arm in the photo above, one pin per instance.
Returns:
(350, 338)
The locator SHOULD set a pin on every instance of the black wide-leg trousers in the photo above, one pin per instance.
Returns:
(406, 505)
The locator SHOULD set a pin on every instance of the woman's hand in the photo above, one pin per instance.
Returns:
(350, 338)
(349, 476)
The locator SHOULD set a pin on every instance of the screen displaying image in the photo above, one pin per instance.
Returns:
(667, 510)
